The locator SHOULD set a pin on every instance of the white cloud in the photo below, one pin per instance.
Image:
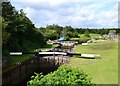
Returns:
(30, 12)
(76, 13)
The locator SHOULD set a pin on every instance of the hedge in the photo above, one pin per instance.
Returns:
(62, 76)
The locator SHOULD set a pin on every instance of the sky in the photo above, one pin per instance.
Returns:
(75, 13)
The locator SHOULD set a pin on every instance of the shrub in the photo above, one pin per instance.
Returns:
(96, 38)
(86, 33)
(83, 40)
(67, 38)
(63, 76)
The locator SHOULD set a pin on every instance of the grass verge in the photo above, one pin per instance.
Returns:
(104, 71)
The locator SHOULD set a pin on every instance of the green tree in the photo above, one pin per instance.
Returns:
(86, 33)
(5, 34)
(19, 33)
(70, 32)
(52, 32)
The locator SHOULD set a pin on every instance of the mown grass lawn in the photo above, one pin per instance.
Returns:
(91, 35)
(81, 35)
(103, 71)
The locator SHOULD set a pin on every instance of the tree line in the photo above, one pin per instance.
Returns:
(55, 31)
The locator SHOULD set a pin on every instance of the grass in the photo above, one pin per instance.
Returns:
(103, 71)
(81, 35)
(74, 39)
(50, 45)
(91, 35)
(22, 58)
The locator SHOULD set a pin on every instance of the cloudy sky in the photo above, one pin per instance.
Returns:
(76, 13)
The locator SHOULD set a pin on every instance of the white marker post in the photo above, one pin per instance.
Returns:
(90, 55)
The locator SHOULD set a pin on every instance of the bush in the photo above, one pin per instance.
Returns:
(96, 38)
(63, 76)
(86, 34)
(67, 38)
(83, 40)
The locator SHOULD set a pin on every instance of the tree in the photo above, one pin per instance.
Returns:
(52, 32)
(86, 33)
(5, 34)
(19, 33)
